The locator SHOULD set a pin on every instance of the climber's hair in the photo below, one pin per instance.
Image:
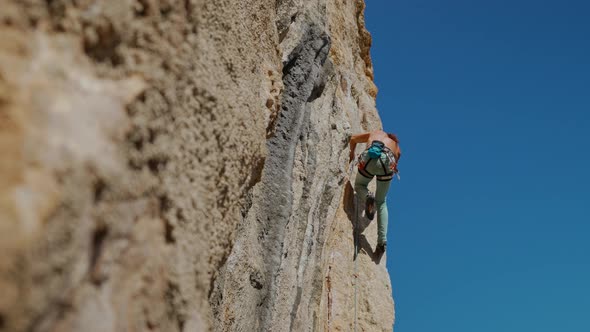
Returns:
(393, 137)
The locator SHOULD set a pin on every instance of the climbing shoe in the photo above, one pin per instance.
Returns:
(381, 248)
(370, 206)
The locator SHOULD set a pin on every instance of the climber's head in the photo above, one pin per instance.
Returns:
(394, 138)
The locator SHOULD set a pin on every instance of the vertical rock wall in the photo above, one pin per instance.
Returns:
(181, 166)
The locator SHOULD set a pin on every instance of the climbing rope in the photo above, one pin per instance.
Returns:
(356, 243)
(356, 251)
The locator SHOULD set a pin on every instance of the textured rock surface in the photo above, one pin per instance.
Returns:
(181, 166)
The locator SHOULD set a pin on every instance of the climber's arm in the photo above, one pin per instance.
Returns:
(354, 140)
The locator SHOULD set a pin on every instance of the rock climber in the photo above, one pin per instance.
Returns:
(379, 160)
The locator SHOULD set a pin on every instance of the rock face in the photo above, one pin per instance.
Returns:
(181, 166)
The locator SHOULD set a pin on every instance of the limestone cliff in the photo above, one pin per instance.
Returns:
(181, 166)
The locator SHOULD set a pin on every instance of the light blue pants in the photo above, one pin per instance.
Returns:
(360, 187)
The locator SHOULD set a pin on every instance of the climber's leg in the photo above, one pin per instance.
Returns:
(382, 214)
(360, 187)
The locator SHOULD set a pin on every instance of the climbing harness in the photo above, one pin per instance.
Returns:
(377, 152)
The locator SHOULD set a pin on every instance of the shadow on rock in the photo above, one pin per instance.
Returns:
(365, 246)
(349, 198)
(359, 224)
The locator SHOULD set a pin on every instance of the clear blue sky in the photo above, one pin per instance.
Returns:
(489, 227)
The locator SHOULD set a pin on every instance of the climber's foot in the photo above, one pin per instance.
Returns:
(370, 206)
